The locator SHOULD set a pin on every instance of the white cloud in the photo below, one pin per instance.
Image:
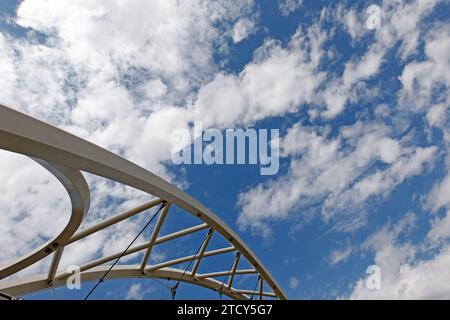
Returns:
(437, 115)
(6, 69)
(293, 283)
(354, 23)
(286, 7)
(382, 182)
(29, 198)
(439, 196)
(420, 80)
(337, 172)
(426, 279)
(400, 24)
(338, 92)
(403, 275)
(338, 256)
(170, 38)
(154, 89)
(440, 229)
(340, 179)
(135, 292)
(242, 29)
(277, 81)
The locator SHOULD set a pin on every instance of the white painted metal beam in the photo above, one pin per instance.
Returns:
(202, 251)
(154, 235)
(233, 269)
(115, 219)
(225, 273)
(189, 258)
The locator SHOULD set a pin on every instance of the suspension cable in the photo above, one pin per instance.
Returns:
(123, 253)
(226, 277)
(155, 279)
(173, 289)
(254, 290)
(160, 282)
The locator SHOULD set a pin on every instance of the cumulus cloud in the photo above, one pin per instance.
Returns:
(340, 179)
(338, 92)
(440, 229)
(437, 115)
(286, 7)
(423, 80)
(279, 80)
(403, 274)
(400, 25)
(242, 29)
(21, 222)
(339, 174)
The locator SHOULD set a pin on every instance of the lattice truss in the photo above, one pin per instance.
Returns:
(66, 156)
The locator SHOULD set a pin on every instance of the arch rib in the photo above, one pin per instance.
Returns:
(78, 190)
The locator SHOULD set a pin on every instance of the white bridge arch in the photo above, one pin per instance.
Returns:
(66, 156)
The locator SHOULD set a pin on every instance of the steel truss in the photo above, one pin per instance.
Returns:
(66, 156)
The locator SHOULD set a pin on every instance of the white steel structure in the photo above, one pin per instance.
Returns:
(66, 156)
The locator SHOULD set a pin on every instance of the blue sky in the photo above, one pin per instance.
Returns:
(362, 113)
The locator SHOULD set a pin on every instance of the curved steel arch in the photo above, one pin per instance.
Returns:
(78, 190)
(65, 155)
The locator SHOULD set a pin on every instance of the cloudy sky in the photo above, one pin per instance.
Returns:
(363, 116)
